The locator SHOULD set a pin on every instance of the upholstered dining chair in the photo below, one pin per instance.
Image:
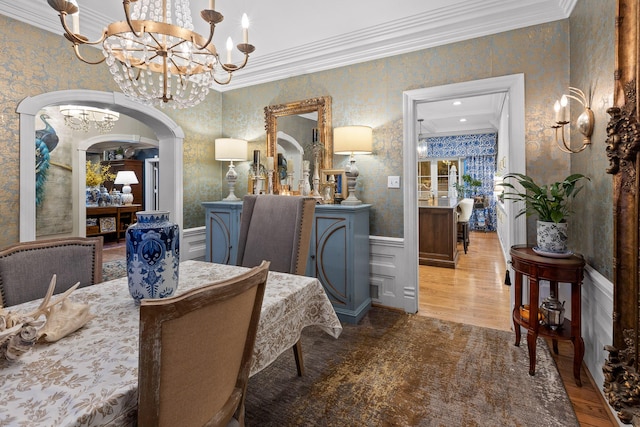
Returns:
(26, 268)
(277, 229)
(196, 351)
(465, 209)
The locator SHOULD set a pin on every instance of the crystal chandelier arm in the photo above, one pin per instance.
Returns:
(212, 28)
(232, 67)
(64, 8)
(76, 38)
(76, 49)
(125, 4)
(220, 82)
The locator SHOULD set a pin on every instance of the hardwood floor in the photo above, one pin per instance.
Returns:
(474, 293)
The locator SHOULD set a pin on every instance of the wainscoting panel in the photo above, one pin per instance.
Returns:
(386, 278)
(192, 245)
(597, 321)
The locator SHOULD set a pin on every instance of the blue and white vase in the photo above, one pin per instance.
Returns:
(153, 255)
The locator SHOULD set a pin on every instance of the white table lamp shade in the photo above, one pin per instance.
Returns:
(126, 178)
(352, 140)
(230, 149)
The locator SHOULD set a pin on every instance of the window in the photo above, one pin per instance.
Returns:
(437, 171)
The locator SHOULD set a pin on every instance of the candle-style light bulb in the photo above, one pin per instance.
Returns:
(556, 108)
(75, 18)
(229, 49)
(563, 111)
(245, 28)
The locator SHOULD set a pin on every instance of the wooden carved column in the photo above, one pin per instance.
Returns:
(622, 376)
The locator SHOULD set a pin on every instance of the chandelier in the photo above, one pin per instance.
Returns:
(79, 117)
(154, 55)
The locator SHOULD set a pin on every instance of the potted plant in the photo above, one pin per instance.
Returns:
(552, 205)
(96, 175)
(468, 187)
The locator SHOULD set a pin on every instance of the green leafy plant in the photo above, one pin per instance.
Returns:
(468, 187)
(551, 202)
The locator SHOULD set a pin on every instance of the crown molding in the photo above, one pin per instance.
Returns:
(470, 19)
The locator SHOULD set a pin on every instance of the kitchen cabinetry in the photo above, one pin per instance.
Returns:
(438, 232)
(338, 256)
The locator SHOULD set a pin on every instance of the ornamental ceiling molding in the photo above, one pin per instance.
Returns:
(468, 20)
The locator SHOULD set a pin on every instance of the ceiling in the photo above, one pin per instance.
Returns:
(294, 37)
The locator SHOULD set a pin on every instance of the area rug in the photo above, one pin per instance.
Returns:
(114, 269)
(395, 369)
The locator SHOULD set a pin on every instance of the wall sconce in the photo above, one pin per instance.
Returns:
(584, 121)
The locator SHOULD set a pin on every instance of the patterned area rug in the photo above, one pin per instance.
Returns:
(114, 269)
(395, 369)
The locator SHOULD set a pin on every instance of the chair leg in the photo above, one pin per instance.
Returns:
(466, 237)
(297, 354)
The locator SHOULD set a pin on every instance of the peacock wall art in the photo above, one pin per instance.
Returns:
(46, 142)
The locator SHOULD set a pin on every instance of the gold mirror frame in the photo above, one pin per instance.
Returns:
(621, 373)
(322, 106)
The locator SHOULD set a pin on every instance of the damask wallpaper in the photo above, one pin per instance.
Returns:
(370, 94)
(592, 65)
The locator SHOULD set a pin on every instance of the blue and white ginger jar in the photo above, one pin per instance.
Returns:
(153, 255)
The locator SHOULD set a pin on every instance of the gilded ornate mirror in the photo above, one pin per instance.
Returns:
(296, 131)
(621, 373)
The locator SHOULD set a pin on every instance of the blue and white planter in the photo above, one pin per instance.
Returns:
(153, 255)
(552, 237)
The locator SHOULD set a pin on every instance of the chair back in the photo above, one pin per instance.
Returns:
(196, 351)
(465, 208)
(26, 268)
(277, 229)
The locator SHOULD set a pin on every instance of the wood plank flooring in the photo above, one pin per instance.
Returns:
(474, 293)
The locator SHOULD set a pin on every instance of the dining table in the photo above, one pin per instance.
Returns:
(90, 377)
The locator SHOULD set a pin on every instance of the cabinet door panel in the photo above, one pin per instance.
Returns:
(331, 260)
(220, 235)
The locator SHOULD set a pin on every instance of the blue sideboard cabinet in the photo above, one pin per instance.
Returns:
(338, 256)
(222, 221)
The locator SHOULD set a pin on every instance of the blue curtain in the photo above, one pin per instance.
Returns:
(479, 152)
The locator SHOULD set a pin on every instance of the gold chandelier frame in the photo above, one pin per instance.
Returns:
(172, 47)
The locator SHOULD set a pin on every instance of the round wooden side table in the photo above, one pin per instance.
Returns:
(569, 270)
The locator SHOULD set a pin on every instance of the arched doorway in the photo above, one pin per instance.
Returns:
(170, 138)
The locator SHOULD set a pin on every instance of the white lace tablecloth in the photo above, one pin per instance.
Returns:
(90, 378)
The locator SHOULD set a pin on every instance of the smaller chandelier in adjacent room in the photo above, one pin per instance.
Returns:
(154, 55)
(78, 117)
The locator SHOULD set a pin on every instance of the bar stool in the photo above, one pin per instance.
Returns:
(465, 208)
